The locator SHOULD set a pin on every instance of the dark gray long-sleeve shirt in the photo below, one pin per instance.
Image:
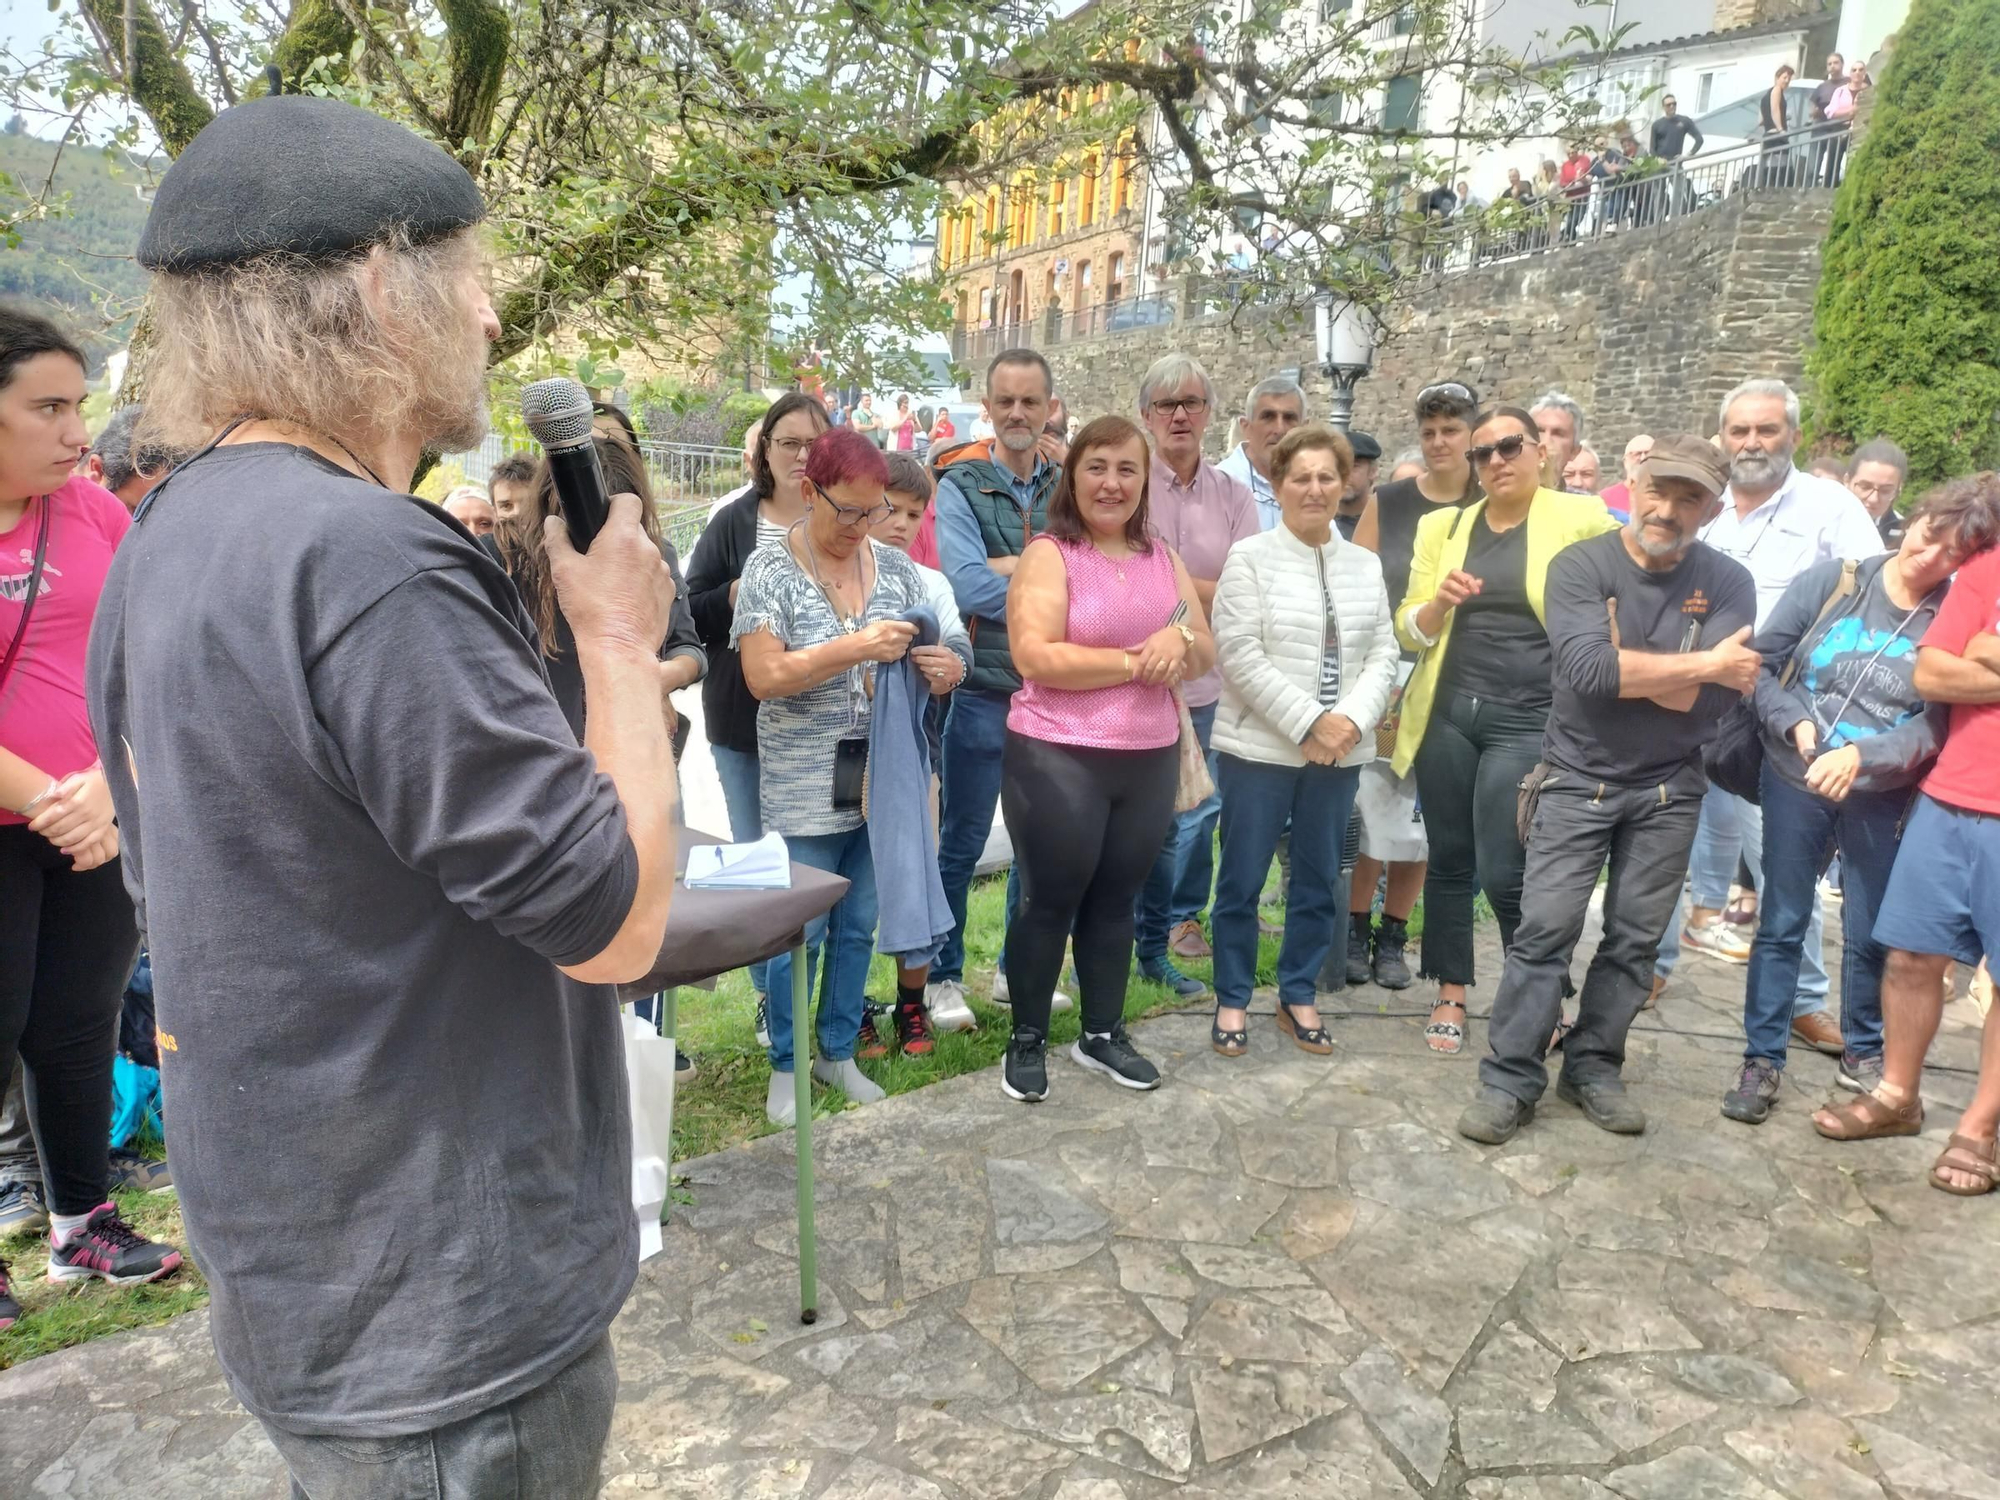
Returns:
(363, 838)
(1635, 741)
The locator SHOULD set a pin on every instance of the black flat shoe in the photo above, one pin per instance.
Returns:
(1228, 1043)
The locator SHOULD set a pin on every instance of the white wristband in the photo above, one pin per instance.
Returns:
(40, 797)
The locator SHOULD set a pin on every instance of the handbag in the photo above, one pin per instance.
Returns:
(1196, 785)
(1734, 759)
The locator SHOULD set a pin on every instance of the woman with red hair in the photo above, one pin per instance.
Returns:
(814, 617)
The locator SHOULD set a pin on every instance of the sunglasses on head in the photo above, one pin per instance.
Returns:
(1509, 448)
(1450, 389)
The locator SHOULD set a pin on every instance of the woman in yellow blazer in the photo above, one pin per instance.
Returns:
(1478, 701)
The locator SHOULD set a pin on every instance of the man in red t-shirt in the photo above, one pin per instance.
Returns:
(1943, 901)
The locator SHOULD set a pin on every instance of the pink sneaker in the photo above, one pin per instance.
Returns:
(109, 1248)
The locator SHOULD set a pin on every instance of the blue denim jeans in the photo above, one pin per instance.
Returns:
(1801, 831)
(1176, 889)
(975, 734)
(847, 933)
(737, 771)
(1731, 827)
(1257, 802)
(548, 1442)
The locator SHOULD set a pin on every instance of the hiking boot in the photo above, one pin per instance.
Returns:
(1606, 1105)
(1024, 1072)
(913, 1028)
(1360, 928)
(1114, 1055)
(1494, 1117)
(1755, 1092)
(1392, 970)
(868, 1041)
(763, 1023)
(10, 1310)
(131, 1172)
(109, 1248)
(1188, 941)
(22, 1209)
(1859, 1075)
(845, 1075)
(1162, 971)
(949, 1012)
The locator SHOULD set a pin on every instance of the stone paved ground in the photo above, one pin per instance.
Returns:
(1278, 1277)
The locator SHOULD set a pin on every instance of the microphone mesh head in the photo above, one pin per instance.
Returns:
(557, 412)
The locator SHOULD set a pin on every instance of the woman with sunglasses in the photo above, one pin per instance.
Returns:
(815, 614)
(1478, 701)
(761, 516)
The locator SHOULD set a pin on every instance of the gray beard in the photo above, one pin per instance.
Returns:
(1758, 470)
(1018, 442)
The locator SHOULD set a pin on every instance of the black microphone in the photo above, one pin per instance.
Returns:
(559, 414)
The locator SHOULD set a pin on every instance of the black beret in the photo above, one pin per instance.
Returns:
(303, 175)
(1364, 446)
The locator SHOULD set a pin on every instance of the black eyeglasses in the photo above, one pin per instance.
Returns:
(1509, 448)
(848, 515)
(1194, 406)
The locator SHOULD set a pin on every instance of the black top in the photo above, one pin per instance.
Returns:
(1399, 506)
(1498, 650)
(1635, 741)
(559, 654)
(367, 841)
(728, 711)
(1774, 125)
(1347, 525)
(1671, 135)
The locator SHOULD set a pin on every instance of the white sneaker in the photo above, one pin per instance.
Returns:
(1718, 940)
(1001, 996)
(946, 1002)
(846, 1075)
(781, 1104)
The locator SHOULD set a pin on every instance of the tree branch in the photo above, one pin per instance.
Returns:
(477, 34)
(155, 78)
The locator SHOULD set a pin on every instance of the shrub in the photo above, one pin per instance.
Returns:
(1907, 321)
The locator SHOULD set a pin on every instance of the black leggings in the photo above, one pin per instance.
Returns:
(67, 944)
(1087, 826)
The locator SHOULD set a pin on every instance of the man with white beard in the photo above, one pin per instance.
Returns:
(1777, 520)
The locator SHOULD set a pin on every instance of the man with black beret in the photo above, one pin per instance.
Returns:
(1649, 628)
(353, 940)
(1360, 487)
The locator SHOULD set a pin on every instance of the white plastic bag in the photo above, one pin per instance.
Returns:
(649, 1073)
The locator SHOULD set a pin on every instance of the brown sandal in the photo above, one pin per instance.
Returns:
(1980, 1158)
(1867, 1118)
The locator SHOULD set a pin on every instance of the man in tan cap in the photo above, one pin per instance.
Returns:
(1650, 631)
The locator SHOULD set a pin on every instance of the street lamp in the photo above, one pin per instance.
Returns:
(1346, 334)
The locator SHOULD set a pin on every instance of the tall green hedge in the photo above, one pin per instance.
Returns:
(1907, 323)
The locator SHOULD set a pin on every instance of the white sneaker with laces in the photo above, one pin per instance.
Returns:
(1718, 940)
(946, 1002)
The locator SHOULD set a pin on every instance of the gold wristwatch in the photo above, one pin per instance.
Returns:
(1187, 632)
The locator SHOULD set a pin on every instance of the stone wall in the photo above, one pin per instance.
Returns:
(1647, 328)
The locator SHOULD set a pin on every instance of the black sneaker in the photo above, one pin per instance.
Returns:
(1163, 971)
(1392, 970)
(1359, 928)
(1024, 1073)
(132, 1172)
(763, 1020)
(1755, 1092)
(109, 1248)
(10, 1310)
(1113, 1054)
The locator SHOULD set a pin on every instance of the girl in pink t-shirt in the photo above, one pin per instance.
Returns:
(1103, 624)
(68, 937)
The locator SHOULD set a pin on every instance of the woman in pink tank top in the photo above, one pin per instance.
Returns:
(1104, 625)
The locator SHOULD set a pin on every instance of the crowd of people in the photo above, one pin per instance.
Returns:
(249, 742)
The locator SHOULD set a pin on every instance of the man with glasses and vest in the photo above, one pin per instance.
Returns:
(992, 496)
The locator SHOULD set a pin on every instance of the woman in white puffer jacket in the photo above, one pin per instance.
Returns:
(1308, 656)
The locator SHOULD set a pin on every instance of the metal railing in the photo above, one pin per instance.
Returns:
(1814, 156)
(687, 479)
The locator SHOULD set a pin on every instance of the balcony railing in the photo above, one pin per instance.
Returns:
(1813, 156)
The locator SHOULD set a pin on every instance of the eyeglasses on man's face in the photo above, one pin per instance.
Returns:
(1508, 448)
(1167, 406)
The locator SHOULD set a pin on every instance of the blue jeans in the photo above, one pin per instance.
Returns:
(1731, 827)
(975, 734)
(547, 1442)
(1176, 888)
(848, 936)
(1257, 802)
(737, 771)
(1801, 831)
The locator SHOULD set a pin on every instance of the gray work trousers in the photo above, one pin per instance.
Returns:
(1644, 834)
